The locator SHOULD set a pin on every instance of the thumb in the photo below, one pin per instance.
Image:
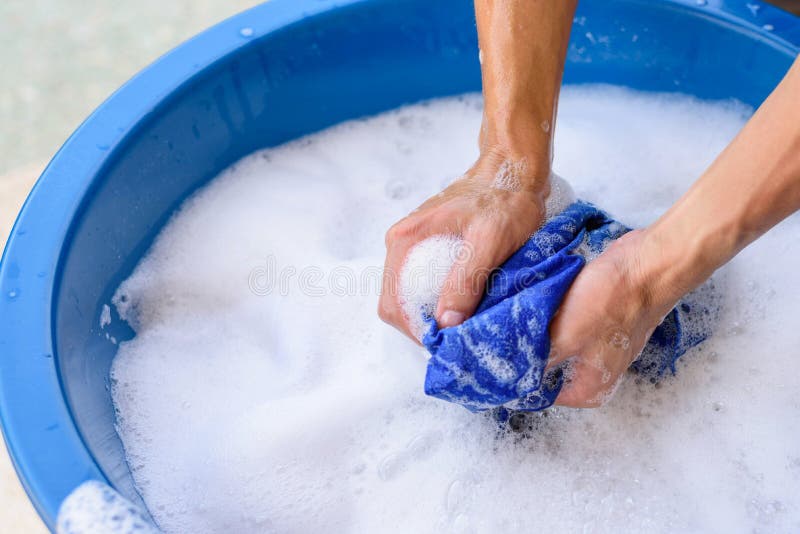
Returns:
(464, 286)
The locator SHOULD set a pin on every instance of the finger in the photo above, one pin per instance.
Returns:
(562, 341)
(389, 307)
(481, 252)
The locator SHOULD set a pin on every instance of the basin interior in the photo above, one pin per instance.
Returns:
(336, 65)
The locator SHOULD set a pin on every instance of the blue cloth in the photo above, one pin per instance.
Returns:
(497, 357)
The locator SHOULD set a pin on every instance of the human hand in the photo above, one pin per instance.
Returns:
(605, 320)
(499, 203)
(495, 207)
(617, 300)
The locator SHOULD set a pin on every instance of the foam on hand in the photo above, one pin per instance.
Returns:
(423, 275)
(263, 394)
(561, 195)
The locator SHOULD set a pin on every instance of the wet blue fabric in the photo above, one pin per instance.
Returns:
(497, 357)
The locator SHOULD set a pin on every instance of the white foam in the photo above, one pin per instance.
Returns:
(95, 508)
(423, 275)
(561, 195)
(246, 408)
(105, 316)
(509, 175)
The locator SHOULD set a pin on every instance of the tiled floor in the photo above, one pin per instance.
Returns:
(60, 59)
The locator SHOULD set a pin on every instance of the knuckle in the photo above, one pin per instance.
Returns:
(400, 230)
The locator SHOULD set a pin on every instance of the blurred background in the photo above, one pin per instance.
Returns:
(60, 59)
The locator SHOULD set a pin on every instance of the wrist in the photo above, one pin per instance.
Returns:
(519, 133)
(514, 168)
(665, 268)
(679, 253)
(518, 147)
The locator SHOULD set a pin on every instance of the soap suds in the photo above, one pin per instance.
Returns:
(277, 409)
(95, 508)
(561, 195)
(422, 277)
(509, 175)
(105, 316)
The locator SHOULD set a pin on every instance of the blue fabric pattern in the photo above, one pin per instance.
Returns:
(497, 357)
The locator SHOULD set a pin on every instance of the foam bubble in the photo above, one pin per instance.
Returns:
(509, 175)
(105, 316)
(423, 275)
(264, 406)
(95, 508)
(561, 195)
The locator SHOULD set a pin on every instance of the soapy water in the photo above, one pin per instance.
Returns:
(281, 403)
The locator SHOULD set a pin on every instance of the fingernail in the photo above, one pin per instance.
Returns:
(451, 318)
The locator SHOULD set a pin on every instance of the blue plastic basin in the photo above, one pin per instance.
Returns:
(271, 74)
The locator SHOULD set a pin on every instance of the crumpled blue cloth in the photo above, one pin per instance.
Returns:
(497, 357)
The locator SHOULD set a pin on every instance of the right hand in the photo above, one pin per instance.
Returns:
(606, 318)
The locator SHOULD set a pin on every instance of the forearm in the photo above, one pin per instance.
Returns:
(523, 47)
(753, 185)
